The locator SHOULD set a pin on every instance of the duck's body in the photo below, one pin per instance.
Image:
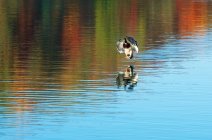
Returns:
(127, 45)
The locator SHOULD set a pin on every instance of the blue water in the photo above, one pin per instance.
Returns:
(49, 100)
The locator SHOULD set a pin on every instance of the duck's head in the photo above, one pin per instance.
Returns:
(129, 70)
(126, 45)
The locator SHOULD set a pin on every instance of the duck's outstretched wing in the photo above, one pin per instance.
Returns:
(131, 40)
(133, 43)
(120, 46)
(135, 48)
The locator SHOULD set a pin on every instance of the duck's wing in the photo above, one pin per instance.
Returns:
(131, 40)
(135, 48)
(133, 43)
(119, 46)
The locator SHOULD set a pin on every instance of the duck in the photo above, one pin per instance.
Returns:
(127, 45)
(127, 78)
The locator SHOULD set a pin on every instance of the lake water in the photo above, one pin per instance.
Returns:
(58, 68)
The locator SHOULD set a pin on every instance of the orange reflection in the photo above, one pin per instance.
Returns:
(71, 40)
(71, 32)
(20, 84)
(192, 16)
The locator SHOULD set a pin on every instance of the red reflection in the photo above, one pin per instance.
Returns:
(133, 19)
(192, 16)
(71, 32)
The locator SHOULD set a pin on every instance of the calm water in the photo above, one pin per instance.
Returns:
(58, 64)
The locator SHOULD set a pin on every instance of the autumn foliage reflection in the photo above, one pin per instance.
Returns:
(191, 17)
(48, 45)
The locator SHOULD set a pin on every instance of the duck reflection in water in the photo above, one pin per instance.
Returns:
(128, 78)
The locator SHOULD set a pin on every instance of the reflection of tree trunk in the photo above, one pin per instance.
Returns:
(27, 20)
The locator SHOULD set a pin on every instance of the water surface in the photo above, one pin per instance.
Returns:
(58, 64)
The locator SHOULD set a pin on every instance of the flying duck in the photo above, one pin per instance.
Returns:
(127, 45)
